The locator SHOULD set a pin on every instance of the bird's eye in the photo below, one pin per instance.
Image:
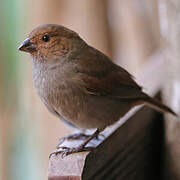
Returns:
(45, 38)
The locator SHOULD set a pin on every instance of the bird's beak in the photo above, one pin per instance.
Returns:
(27, 46)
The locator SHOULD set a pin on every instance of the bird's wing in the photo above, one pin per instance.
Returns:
(99, 76)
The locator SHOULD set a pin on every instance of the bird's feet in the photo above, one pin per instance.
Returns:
(69, 150)
(76, 136)
(65, 151)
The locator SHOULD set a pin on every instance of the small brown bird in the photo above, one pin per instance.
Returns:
(79, 84)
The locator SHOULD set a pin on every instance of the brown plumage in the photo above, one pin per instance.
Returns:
(78, 83)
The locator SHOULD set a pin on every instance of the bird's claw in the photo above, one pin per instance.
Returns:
(65, 151)
(77, 136)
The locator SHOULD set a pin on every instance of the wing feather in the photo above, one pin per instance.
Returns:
(96, 74)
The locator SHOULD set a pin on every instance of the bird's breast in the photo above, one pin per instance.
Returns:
(57, 91)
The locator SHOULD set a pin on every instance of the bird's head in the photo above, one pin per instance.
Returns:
(50, 43)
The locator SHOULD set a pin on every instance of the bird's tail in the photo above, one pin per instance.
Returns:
(157, 105)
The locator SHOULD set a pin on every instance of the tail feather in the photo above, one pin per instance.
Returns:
(158, 106)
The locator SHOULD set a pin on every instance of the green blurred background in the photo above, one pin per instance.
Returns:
(127, 31)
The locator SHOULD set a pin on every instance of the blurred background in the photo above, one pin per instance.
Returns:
(127, 31)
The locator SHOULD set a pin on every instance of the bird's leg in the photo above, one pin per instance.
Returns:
(76, 136)
(67, 150)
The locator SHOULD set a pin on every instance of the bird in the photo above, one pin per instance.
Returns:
(79, 84)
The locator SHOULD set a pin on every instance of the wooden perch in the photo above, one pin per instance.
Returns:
(131, 149)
